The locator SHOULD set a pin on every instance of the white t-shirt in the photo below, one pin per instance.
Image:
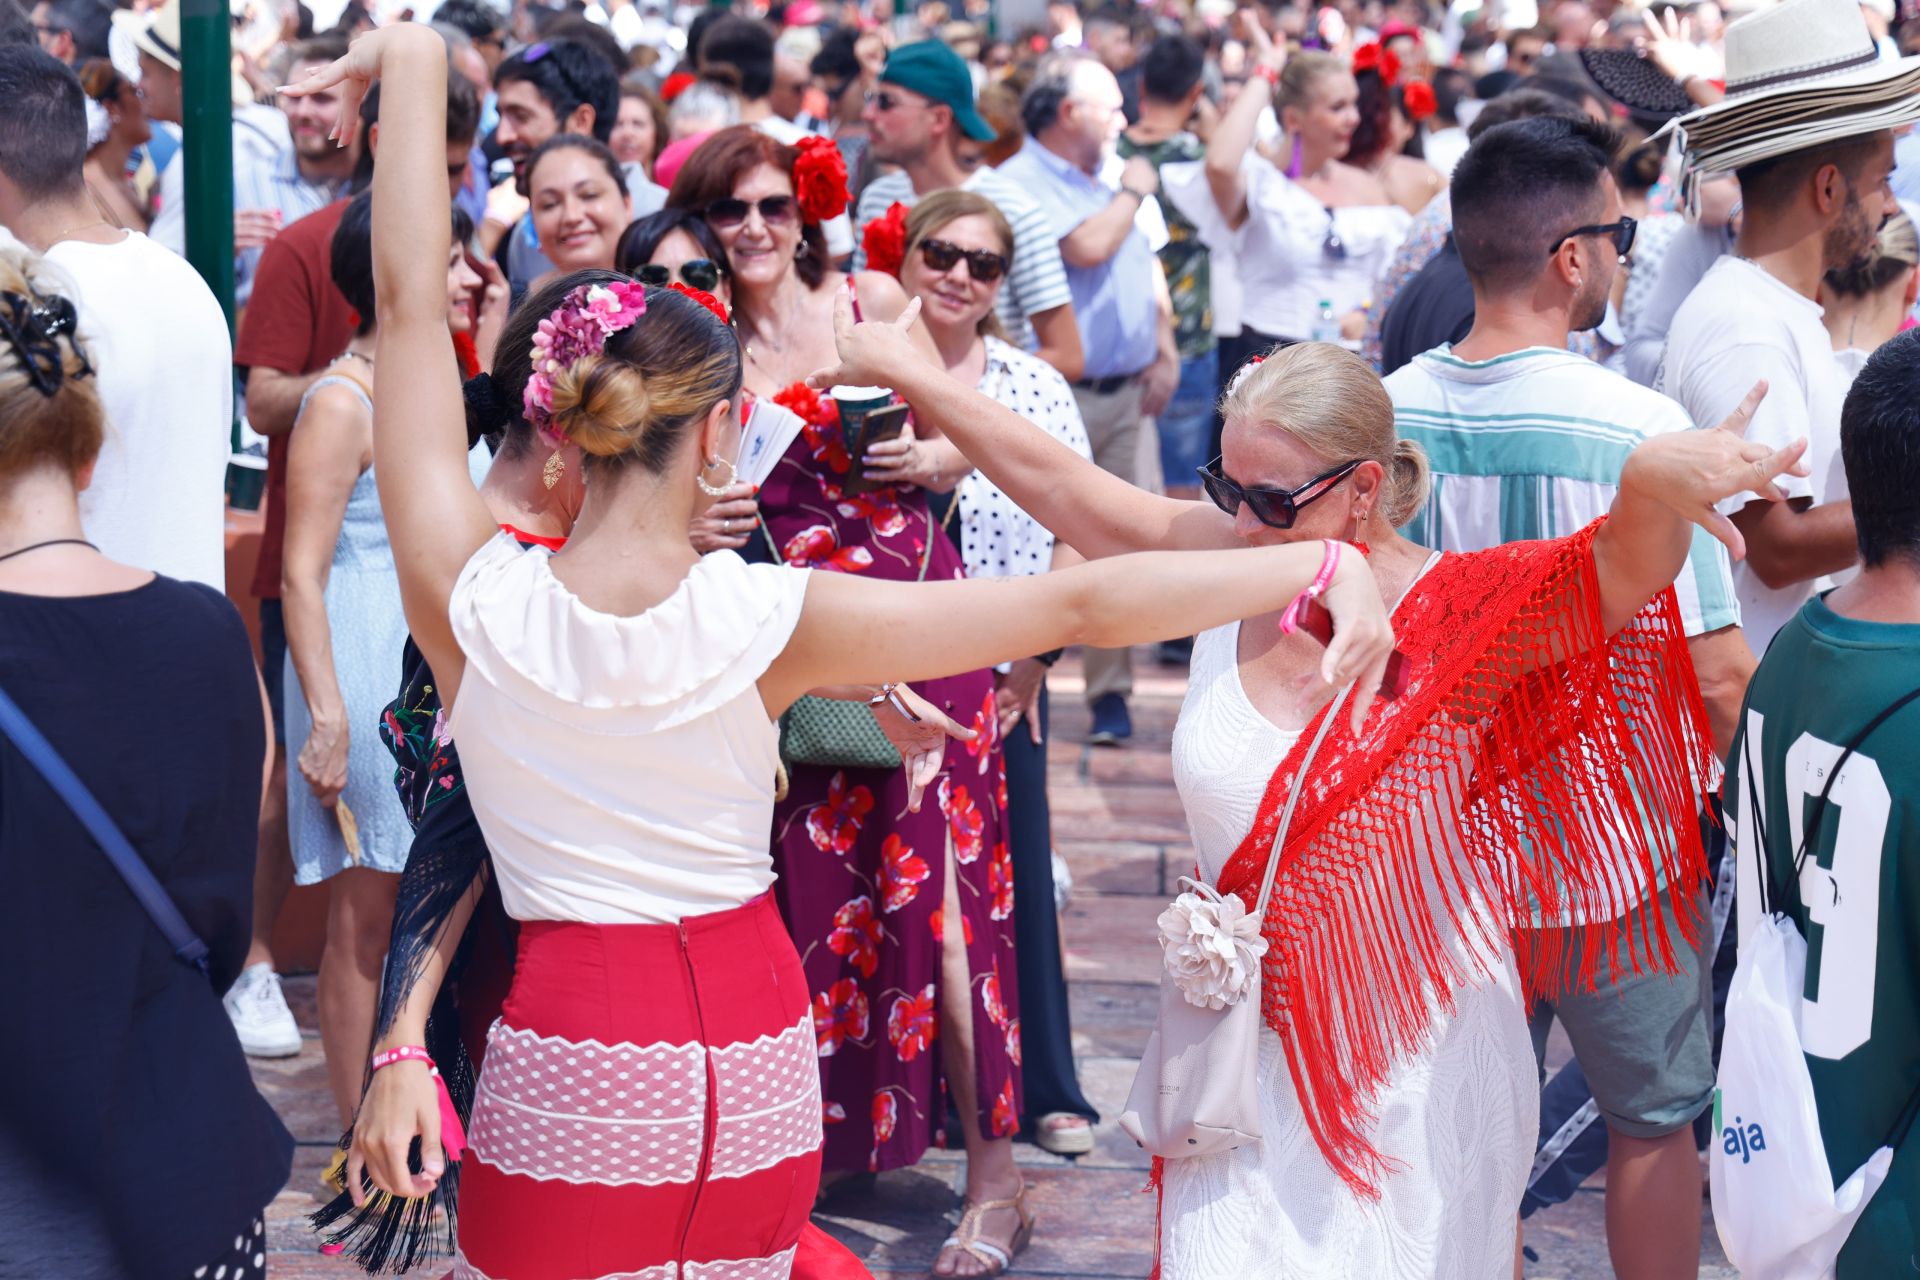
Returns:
(164, 360)
(1738, 327)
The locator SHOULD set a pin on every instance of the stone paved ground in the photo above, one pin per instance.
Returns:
(1117, 822)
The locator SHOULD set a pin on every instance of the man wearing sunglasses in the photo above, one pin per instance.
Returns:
(916, 119)
(1527, 440)
(1072, 114)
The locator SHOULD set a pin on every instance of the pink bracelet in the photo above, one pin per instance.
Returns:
(402, 1053)
(1290, 620)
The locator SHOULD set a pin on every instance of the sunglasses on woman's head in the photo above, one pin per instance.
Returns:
(1275, 508)
(729, 212)
(696, 273)
(984, 266)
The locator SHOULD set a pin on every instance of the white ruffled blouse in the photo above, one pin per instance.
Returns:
(621, 767)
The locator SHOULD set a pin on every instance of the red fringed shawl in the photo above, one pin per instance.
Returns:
(1530, 757)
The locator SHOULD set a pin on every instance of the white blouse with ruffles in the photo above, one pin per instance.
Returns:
(622, 768)
(1284, 269)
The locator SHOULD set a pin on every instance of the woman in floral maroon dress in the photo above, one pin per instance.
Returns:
(871, 890)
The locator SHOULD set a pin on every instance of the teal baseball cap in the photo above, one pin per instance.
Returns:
(934, 71)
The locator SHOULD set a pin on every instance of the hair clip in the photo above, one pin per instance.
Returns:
(34, 330)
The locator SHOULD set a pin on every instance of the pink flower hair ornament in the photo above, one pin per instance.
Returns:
(579, 327)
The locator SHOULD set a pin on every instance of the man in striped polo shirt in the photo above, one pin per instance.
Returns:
(917, 118)
(1527, 441)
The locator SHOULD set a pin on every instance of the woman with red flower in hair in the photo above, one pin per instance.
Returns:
(846, 833)
(1387, 141)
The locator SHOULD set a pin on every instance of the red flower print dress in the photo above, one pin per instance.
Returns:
(862, 880)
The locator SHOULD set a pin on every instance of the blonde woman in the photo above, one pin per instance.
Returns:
(1396, 1079)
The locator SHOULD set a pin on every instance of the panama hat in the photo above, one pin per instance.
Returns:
(1800, 74)
(156, 33)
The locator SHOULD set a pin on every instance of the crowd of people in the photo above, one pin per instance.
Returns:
(659, 689)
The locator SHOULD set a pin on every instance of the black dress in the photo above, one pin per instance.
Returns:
(132, 1140)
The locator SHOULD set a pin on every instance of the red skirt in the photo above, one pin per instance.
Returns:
(649, 1107)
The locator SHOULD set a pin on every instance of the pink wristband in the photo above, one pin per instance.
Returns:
(402, 1053)
(1290, 620)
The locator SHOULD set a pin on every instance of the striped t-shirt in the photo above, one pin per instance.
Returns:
(1038, 281)
(1530, 445)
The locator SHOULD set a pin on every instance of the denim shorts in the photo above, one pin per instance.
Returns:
(1186, 424)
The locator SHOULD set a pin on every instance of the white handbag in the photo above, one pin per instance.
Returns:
(1775, 1205)
(1195, 1094)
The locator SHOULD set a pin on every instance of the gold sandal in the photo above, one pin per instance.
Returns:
(966, 1236)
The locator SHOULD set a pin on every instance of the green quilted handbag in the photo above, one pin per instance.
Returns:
(828, 731)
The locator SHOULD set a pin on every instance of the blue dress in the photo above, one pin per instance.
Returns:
(369, 633)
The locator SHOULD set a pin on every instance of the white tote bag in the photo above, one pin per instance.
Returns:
(1778, 1213)
(1774, 1203)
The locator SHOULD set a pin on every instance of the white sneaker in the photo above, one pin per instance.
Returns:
(260, 1015)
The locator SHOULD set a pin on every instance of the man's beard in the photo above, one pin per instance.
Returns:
(1851, 242)
(1592, 312)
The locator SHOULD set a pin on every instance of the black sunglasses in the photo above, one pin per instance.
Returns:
(729, 212)
(984, 266)
(698, 273)
(1621, 233)
(1275, 508)
(885, 101)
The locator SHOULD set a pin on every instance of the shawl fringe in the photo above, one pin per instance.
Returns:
(1534, 765)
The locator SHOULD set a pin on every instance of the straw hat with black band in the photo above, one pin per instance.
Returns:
(1801, 74)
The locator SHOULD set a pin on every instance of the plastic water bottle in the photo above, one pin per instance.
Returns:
(1326, 325)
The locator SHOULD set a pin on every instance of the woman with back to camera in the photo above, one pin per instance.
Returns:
(1396, 1083)
(1307, 226)
(579, 202)
(845, 834)
(344, 630)
(132, 1139)
(647, 933)
(955, 249)
(1379, 142)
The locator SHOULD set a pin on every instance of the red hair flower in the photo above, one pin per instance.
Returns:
(702, 297)
(820, 179)
(1419, 101)
(885, 240)
(675, 85)
(1378, 59)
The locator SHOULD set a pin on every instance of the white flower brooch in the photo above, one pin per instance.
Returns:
(1212, 946)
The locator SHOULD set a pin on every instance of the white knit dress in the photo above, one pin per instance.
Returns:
(1458, 1122)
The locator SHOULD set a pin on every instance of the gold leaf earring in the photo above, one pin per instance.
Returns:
(555, 468)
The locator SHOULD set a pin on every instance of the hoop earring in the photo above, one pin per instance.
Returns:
(555, 468)
(715, 490)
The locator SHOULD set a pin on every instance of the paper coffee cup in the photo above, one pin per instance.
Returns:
(855, 403)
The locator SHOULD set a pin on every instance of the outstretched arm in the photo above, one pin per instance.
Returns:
(852, 629)
(1095, 513)
(1234, 134)
(1669, 484)
(435, 517)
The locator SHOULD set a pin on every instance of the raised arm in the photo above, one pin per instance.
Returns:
(1669, 484)
(853, 629)
(435, 517)
(1095, 513)
(1227, 149)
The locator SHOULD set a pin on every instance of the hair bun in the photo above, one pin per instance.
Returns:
(488, 412)
(601, 405)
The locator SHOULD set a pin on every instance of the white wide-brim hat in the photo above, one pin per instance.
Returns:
(1800, 74)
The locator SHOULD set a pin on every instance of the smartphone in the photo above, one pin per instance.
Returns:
(877, 425)
(1318, 623)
